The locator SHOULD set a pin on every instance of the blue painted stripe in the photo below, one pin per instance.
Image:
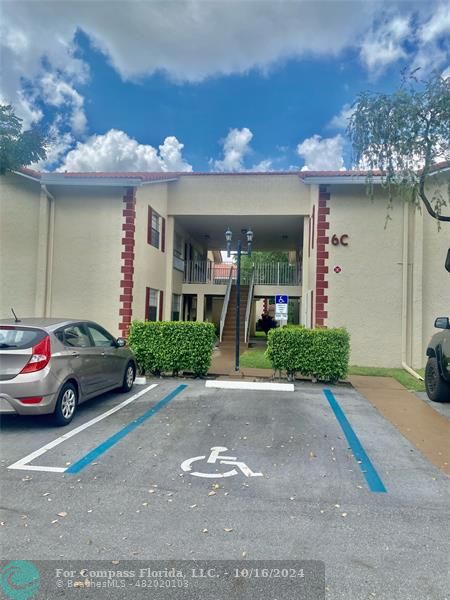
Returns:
(107, 444)
(370, 473)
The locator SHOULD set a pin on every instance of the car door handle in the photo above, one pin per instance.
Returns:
(75, 353)
(103, 353)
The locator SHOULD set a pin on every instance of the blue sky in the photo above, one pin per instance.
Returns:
(197, 85)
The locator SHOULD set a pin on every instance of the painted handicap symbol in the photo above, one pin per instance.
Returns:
(215, 457)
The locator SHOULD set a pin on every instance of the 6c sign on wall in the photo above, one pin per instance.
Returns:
(342, 240)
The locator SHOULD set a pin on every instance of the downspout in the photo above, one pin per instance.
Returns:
(405, 299)
(50, 245)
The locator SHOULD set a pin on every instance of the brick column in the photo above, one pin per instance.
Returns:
(127, 262)
(322, 255)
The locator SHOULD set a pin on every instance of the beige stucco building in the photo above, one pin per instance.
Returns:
(114, 247)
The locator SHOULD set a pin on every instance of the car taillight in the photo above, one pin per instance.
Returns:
(40, 356)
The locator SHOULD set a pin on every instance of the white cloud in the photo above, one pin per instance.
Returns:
(437, 26)
(322, 154)
(384, 44)
(235, 147)
(58, 92)
(341, 120)
(116, 151)
(38, 55)
(264, 165)
(433, 37)
(190, 40)
(58, 144)
(187, 39)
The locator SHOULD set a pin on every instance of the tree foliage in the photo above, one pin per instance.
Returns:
(404, 135)
(260, 257)
(18, 148)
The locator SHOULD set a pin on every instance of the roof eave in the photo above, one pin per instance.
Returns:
(26, 176)
(59, 179)
(147, 182)
(340, 179)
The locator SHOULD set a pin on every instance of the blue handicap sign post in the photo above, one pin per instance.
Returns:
(281, 308)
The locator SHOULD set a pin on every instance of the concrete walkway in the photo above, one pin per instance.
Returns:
(223, 365)
(419, 423)
(223, 360)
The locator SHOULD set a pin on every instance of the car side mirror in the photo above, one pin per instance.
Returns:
(121, 342)
(442, 323)
(447, 261)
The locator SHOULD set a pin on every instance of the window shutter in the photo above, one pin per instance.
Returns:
(161, 301)
(149, 225)
(163, 234)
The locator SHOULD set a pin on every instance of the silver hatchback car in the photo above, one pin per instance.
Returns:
(49, 366)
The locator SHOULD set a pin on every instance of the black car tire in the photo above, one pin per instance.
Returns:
(128, 378)
(437, 388)
(66, 405)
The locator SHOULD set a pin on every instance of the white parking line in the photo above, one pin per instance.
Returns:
(251, 385)
(22, 464)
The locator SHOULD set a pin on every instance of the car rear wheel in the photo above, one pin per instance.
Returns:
(437, 388)
(66, 405)
(128, 378)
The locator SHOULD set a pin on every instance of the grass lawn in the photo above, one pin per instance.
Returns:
(260, 334)
(254, 358)
(407, 380)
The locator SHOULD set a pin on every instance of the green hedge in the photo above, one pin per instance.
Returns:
(319, 353)
(172, 346)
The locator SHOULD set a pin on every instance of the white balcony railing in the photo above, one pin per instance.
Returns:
(205, 271)
(277, 274)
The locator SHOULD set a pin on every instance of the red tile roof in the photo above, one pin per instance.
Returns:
(143, 176)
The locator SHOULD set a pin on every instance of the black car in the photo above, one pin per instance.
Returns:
(437, 371)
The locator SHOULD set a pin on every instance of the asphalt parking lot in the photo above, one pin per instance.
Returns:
(129, 490)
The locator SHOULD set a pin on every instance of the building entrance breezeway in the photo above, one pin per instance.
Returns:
(209, 278)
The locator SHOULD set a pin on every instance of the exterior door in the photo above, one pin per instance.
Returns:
(112, 363)
(86, 361)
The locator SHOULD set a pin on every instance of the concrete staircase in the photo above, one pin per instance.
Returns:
(229, 329)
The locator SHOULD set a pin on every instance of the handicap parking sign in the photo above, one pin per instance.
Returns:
(281, 299)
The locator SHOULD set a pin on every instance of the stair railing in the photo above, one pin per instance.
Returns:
(225, 302)
(248, 310)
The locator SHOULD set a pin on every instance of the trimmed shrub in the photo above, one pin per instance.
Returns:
(172, 346)
(319, 353)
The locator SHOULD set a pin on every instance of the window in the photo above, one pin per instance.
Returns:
(156, 230)
(74, 336)
(176, 304)
(18, 337)
(178, 246)
(152, 304)
(101, 338)
(178, 255)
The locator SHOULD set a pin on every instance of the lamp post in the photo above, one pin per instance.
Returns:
(228, 237)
